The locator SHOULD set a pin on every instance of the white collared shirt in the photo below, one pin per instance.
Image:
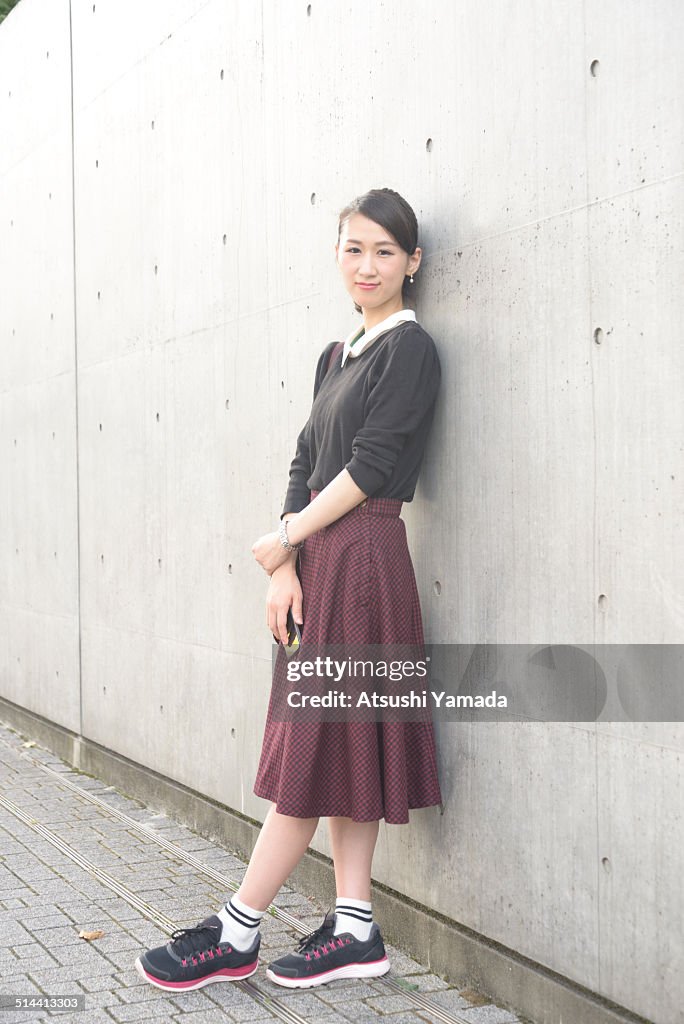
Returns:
(366, 337)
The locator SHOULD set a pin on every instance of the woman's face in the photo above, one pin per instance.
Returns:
(373, 266)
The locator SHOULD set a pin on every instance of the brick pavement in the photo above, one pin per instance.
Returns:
(46, 899)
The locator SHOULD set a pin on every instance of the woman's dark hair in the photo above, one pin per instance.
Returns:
(387, 208)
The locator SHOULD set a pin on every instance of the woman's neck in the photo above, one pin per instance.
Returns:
(371, 317)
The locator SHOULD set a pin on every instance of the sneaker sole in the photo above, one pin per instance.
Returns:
(372, 970)
(227, 974)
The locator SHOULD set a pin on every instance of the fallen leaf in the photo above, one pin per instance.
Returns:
(405, 983)
(90, 935)
(476, 998)
(29, 743)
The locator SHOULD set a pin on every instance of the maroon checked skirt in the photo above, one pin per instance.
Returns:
(358, 587)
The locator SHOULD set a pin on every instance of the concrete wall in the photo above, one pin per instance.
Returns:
(168, 215)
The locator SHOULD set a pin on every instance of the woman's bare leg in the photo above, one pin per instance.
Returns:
(280, 845)
(353, 845)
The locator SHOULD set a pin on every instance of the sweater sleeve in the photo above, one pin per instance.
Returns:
(298, 495)
(400, 398)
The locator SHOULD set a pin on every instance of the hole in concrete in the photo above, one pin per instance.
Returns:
(437, 587)
(428, 145)
(594, 68)
(598, 335)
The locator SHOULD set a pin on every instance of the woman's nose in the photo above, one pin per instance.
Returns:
(368, 264)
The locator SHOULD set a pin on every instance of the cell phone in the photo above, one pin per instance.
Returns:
(294, 635)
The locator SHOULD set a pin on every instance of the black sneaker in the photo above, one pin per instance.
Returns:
(323, 956)
(196, 957)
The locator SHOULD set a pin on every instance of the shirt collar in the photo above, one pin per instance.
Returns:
(366, 337)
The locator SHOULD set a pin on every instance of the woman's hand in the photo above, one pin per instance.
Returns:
(284, 591)
(270, 553)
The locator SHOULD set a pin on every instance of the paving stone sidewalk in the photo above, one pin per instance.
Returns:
(46, 899)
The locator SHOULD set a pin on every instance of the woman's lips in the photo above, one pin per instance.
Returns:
(366, 287)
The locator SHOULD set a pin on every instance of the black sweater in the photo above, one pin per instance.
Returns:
(371, 416)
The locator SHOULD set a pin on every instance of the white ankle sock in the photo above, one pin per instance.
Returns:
(353, 916)
(240, 923)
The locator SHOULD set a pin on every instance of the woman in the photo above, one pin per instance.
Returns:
(357, 459)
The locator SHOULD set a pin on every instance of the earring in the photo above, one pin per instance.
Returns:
(411, 279)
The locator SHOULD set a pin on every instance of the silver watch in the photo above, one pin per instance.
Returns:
(282, 533)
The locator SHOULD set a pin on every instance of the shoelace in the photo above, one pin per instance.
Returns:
(313, 938)
(192, 942)
(320, 941)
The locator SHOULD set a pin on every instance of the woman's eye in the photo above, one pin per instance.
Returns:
(381, 252)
